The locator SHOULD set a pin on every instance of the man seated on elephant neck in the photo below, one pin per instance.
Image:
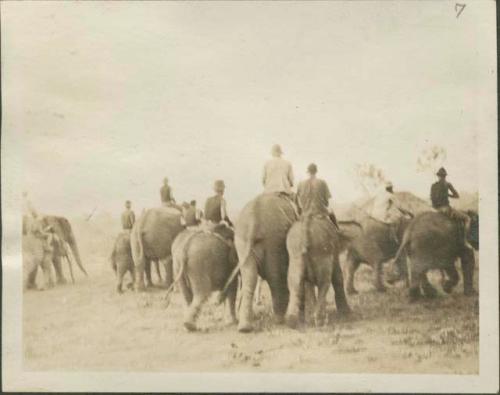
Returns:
(215, 206)
(313, 196)
(441, 191)
(128, 217)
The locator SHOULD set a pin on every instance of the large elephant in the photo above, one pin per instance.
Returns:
(434, 241)
(121, 259)
(151, 240)
(315, 265)
(203, 262)
(373, 245)
(260, 239)
(63, 229)
(35, 256)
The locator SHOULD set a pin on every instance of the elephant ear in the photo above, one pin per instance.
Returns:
(349, 231)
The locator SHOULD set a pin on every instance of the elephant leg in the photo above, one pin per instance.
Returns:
(231, 303)
(132, 278)
(324, 277)
(309, 301)
(277, 271)
(427, 288)
(258, 291)
(352, 264)
(296, 287)
(120, 273)
(452, 281)
(467, 261)
(193, 311)
(201, 289)
(157, 270)
(56, 260)
(31, 277)
(379, 281)
(169, 271)
(338, 287)
(47, 273)
(248, 283)
(417, 270)
(186, 290)
(147, 267)
(139, 269)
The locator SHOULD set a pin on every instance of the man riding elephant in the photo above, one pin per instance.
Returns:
(433, 241)
(151, 240)
(441, 192)
(128, 217)
(379, 238)
(215, 206)
(313, 244)
(167, 197)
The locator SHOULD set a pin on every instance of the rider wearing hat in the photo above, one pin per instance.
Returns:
(215, 206)
(128, 217)
(441, 192)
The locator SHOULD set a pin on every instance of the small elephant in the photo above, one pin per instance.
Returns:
(121, 260)
(203, 263)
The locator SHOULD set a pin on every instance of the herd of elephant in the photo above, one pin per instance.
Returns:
(269, 241)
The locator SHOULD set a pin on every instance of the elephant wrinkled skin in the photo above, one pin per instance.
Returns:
(151, 240)
(433, 241)
(203, 262)
(374, 246)
(318, 266)
(260, 239)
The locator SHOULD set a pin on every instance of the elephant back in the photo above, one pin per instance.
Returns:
(268, 216)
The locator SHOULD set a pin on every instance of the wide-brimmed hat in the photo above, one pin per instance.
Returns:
(219, 185)
(442, 172)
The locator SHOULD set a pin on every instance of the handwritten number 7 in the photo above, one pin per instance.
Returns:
(459, 8)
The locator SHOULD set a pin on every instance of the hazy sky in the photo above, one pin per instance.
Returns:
(110, 97)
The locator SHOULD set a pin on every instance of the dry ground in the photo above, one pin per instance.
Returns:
(87, 326)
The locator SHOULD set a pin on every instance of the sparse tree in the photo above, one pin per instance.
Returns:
(431, 158)
(369, 177)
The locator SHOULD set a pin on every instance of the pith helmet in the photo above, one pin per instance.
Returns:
(276, 149)
(312, 168)
(442, 172)
(388, 184)
(219, 186)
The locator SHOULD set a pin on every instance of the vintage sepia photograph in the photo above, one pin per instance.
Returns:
(195, 193)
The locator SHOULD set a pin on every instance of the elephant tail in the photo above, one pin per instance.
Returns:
(183, 262)
(403, 245)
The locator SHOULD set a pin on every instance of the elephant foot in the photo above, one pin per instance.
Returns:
(119, 289)
(351, 291)
(140, 288)
(61, 281)
(470, 292)
(448, 287)
(30, 287)
(430, 293)
(344, 310)
(380, 288)
(292, 321)
(279, 319)
(414, 295)
(130, 286)
(231, 321)
(245, 327)
(190, 326)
